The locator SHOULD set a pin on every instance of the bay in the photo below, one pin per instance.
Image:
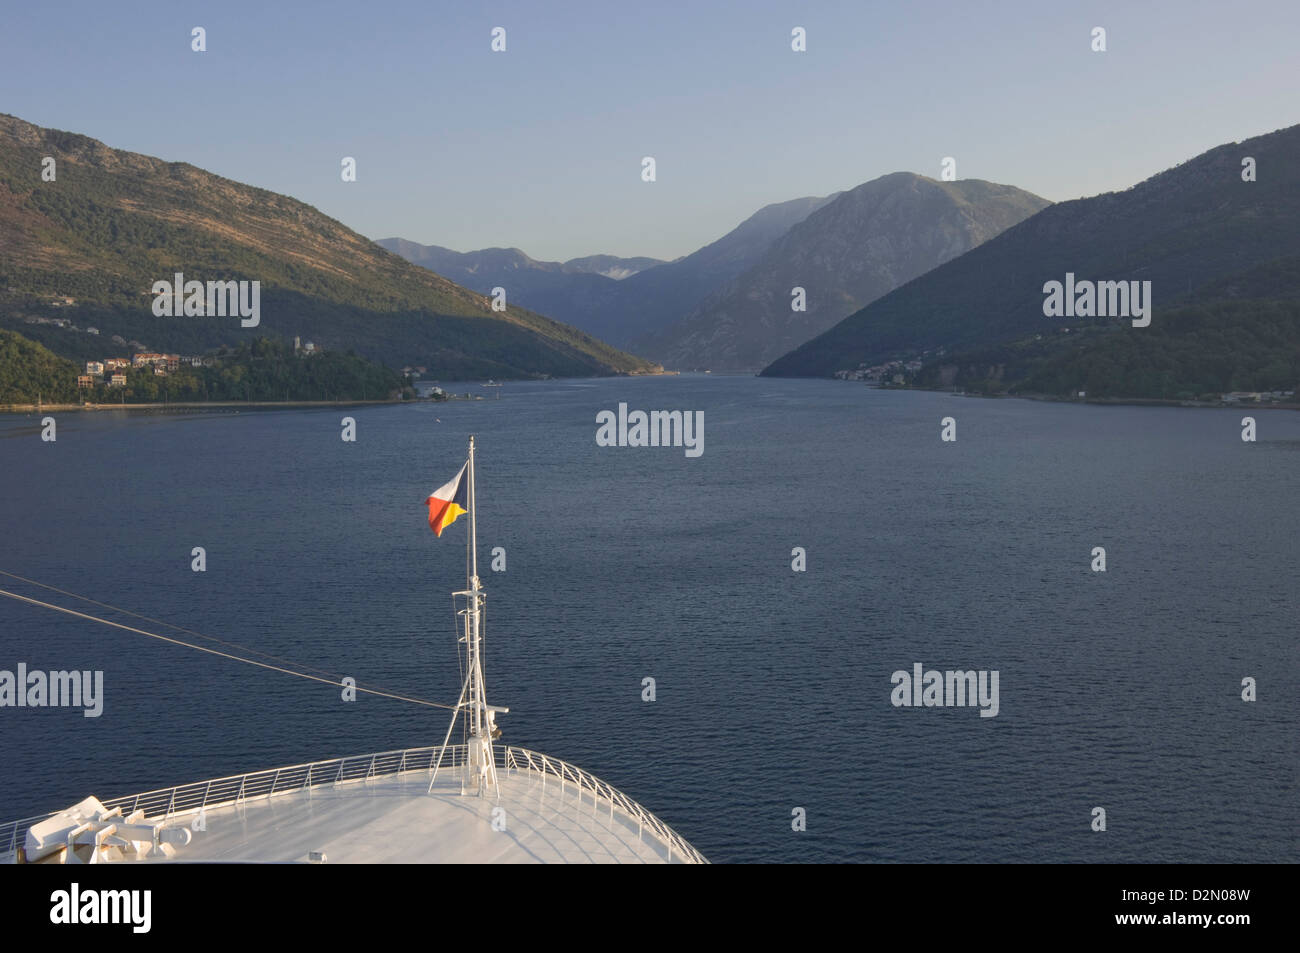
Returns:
(1118, 689)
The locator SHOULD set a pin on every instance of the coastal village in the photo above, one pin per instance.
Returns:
(112, 370)
(891, 372)
(897, 374)
(120, 372)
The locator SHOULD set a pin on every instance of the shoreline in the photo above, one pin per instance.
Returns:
(1141, 401)
(318, 404)
(201, 405)
(1102, 401)
(29, 408)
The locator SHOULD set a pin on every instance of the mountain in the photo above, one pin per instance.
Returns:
(112, 223)
(580, 292)
(611, 266)
(1198, 232)
(475, 269)
(651, 301)
(620, 300)
(1242, 333)
(861, 245)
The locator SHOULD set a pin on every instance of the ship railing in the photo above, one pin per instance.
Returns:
(522, 759)
(194, 798)
(185, 799)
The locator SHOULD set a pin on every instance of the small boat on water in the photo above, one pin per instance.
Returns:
(474, 801)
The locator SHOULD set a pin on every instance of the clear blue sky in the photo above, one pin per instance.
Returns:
(540, 147)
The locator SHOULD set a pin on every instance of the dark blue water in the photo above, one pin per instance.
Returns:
(1119, 690)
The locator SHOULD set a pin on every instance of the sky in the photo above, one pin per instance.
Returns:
(540, 147)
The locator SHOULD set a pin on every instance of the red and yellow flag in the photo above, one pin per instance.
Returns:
(448, 502)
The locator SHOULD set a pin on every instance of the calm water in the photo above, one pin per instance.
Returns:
(1119, 690)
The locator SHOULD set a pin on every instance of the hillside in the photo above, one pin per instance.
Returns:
(259, 369)
(28, 370)
(861, 245)
(113, 222)
(650, 302)
(1187, 230)
(1225, 342)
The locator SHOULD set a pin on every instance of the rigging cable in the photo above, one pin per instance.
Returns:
(153, 635)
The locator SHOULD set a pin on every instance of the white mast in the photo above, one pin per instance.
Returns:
(480, 774)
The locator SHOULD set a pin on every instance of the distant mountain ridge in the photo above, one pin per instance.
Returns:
(726, 306)
(584, 291)
(477, 264)
(114, 222)
(611, 266)
(860, 245)
(580, 292)
(1192, 231)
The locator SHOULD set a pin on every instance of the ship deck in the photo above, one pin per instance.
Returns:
(394, 820)
(379, 809)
